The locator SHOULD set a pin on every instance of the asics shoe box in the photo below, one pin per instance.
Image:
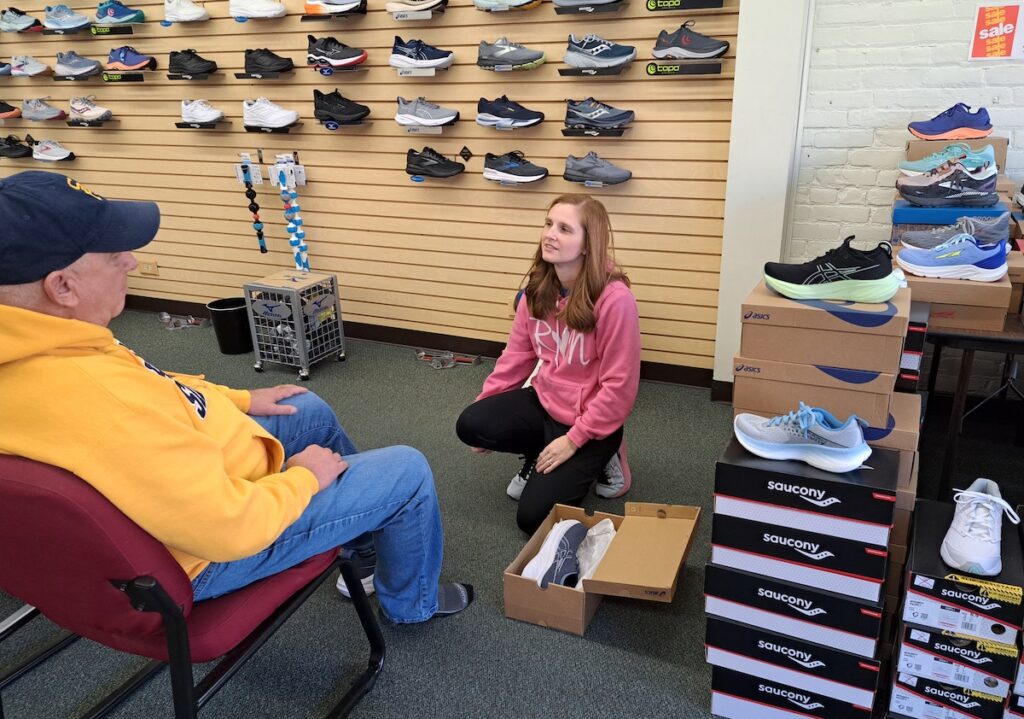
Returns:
(854, 568)
(963, 304)
(905, 213)
(810, 614)
(642, 562)
(865, 337)
(1014, 707)
(920, 149)
(793, 662)
(956, 660)
(940, 597)
(740, 696)
(901, 431)
(769, 386)
(925, 699)
(857, 505)
(1015, 263)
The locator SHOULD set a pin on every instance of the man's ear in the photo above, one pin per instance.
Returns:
(59, 288)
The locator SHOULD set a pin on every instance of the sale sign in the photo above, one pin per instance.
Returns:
(996, 34)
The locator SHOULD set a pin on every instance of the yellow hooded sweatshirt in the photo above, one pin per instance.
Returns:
(176, 454)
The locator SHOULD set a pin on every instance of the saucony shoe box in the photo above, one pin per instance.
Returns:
(925, 699)
(792, 662)
(1014, 707)
(913, 348)
(857, 505)
(769, 387)
(810, 614)
(854, 568)
(1015, 265)
(959, 661)
(939, 597)
(741, 696)
(865, 337)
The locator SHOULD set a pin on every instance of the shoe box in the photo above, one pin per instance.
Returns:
(938, 597)
(963, 662)
(642, 562)
(920, 149)
(856, 506)
(900, 432)
(1015, 264)
(795, 663)
(867, 337)
(926, 699)
(1014, 707)
(963, 304)
(810, 614)
(768, 386)
(741, 696)
(909, 376)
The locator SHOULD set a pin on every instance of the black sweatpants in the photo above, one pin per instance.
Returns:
(516, 422)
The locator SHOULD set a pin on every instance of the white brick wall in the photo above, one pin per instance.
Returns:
(875, 66)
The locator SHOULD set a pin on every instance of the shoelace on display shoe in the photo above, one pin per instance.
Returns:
(803, 418)
(254, 207)
(979, 511)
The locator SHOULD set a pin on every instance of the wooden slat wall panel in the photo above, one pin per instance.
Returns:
(439, 256)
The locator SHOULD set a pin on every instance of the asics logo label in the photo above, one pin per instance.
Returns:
(831, 273)
(756, 316)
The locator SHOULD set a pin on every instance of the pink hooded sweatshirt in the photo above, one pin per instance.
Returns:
(587, 381)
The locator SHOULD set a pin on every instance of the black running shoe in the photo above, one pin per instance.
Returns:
(332, 106)
(960, 187)
(502, 112)
(188, 62)
(842, 273)
(328, 51)
(512, 167)
(431, 163)
(11, 146)
(262, 60)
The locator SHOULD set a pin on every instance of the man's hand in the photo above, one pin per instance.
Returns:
(555, 454)
(264, 402)
(322, 462)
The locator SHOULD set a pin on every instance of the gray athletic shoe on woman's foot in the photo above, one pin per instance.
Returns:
(518, 483)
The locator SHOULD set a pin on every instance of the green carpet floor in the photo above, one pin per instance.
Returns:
(637, 659)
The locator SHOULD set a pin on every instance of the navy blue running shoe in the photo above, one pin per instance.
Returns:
(502, 112)
(593, 51)
(417, 53)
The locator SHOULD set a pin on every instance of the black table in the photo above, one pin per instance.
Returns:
(1009, 341)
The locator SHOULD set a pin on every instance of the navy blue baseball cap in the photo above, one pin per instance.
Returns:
(48, 220)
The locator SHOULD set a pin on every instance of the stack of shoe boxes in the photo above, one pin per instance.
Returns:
(1015, 263)
(1015, 704)
(795, 586)
(957, 654)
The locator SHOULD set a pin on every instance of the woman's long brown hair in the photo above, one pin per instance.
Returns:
(599, 268)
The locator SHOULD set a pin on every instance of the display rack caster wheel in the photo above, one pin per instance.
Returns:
(258, 366)
(341, 357)
(304, 375)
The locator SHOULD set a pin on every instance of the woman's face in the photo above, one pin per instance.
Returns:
(562, 242)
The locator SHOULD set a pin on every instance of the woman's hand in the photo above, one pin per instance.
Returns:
(555, 454)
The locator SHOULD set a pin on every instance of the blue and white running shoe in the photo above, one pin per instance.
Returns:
(958, 152)
(594, 51)
(809, 434)
(61, 17)
(113, 12)
(416, 53)
(959, 258)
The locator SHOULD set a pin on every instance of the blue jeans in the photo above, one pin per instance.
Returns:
(388, 493)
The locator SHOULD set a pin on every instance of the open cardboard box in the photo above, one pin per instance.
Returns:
(643, 562)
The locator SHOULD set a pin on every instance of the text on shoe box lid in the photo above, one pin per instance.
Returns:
(941, 597)
(794, 662)
(844, 566)
(925, 699)
(735, 695)
(856, 505)
(960, 661)
(814, 615)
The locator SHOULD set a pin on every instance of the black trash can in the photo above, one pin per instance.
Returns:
(230, 320)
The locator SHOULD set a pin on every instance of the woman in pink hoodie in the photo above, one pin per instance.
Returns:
(577, 331)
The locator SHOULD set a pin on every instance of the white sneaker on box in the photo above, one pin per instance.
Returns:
(973, 543)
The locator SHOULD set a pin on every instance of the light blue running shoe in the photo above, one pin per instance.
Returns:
(810, 434)
(959, 151)
(61, 17)
(960, 258)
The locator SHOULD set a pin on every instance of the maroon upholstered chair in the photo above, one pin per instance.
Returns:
(76, 559)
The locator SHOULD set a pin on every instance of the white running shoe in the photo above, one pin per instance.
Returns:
(256, 8)
(199, 111)
(261, 112)
(184, 11)
(973, 542)
(85, 108)
(809, 434)
(51, 151)
(367, 583)
(557, 561)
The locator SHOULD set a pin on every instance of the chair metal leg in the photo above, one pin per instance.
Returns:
(14, 673)
(371, 627)
(114, 699)
(17, 620)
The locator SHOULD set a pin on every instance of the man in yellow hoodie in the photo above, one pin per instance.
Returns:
(238, 485)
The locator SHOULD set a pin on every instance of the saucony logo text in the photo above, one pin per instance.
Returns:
(814, 496)
(961, 700)
(808, 549)
(801, 700)
(804, 606)
(804, 659)
(971, 655)
(979, 601)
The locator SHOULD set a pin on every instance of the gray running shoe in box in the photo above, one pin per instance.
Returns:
(685, 44)
(986, 230)
(503, 53)
(591, 168)
(421, 112)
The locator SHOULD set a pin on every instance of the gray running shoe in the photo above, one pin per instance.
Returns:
(39, 109)
(421, 112)
(986, 230)
(556, 562)
(592, 168)
(685, 44)
(590, 113)
(503, 53)
(71, 64)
